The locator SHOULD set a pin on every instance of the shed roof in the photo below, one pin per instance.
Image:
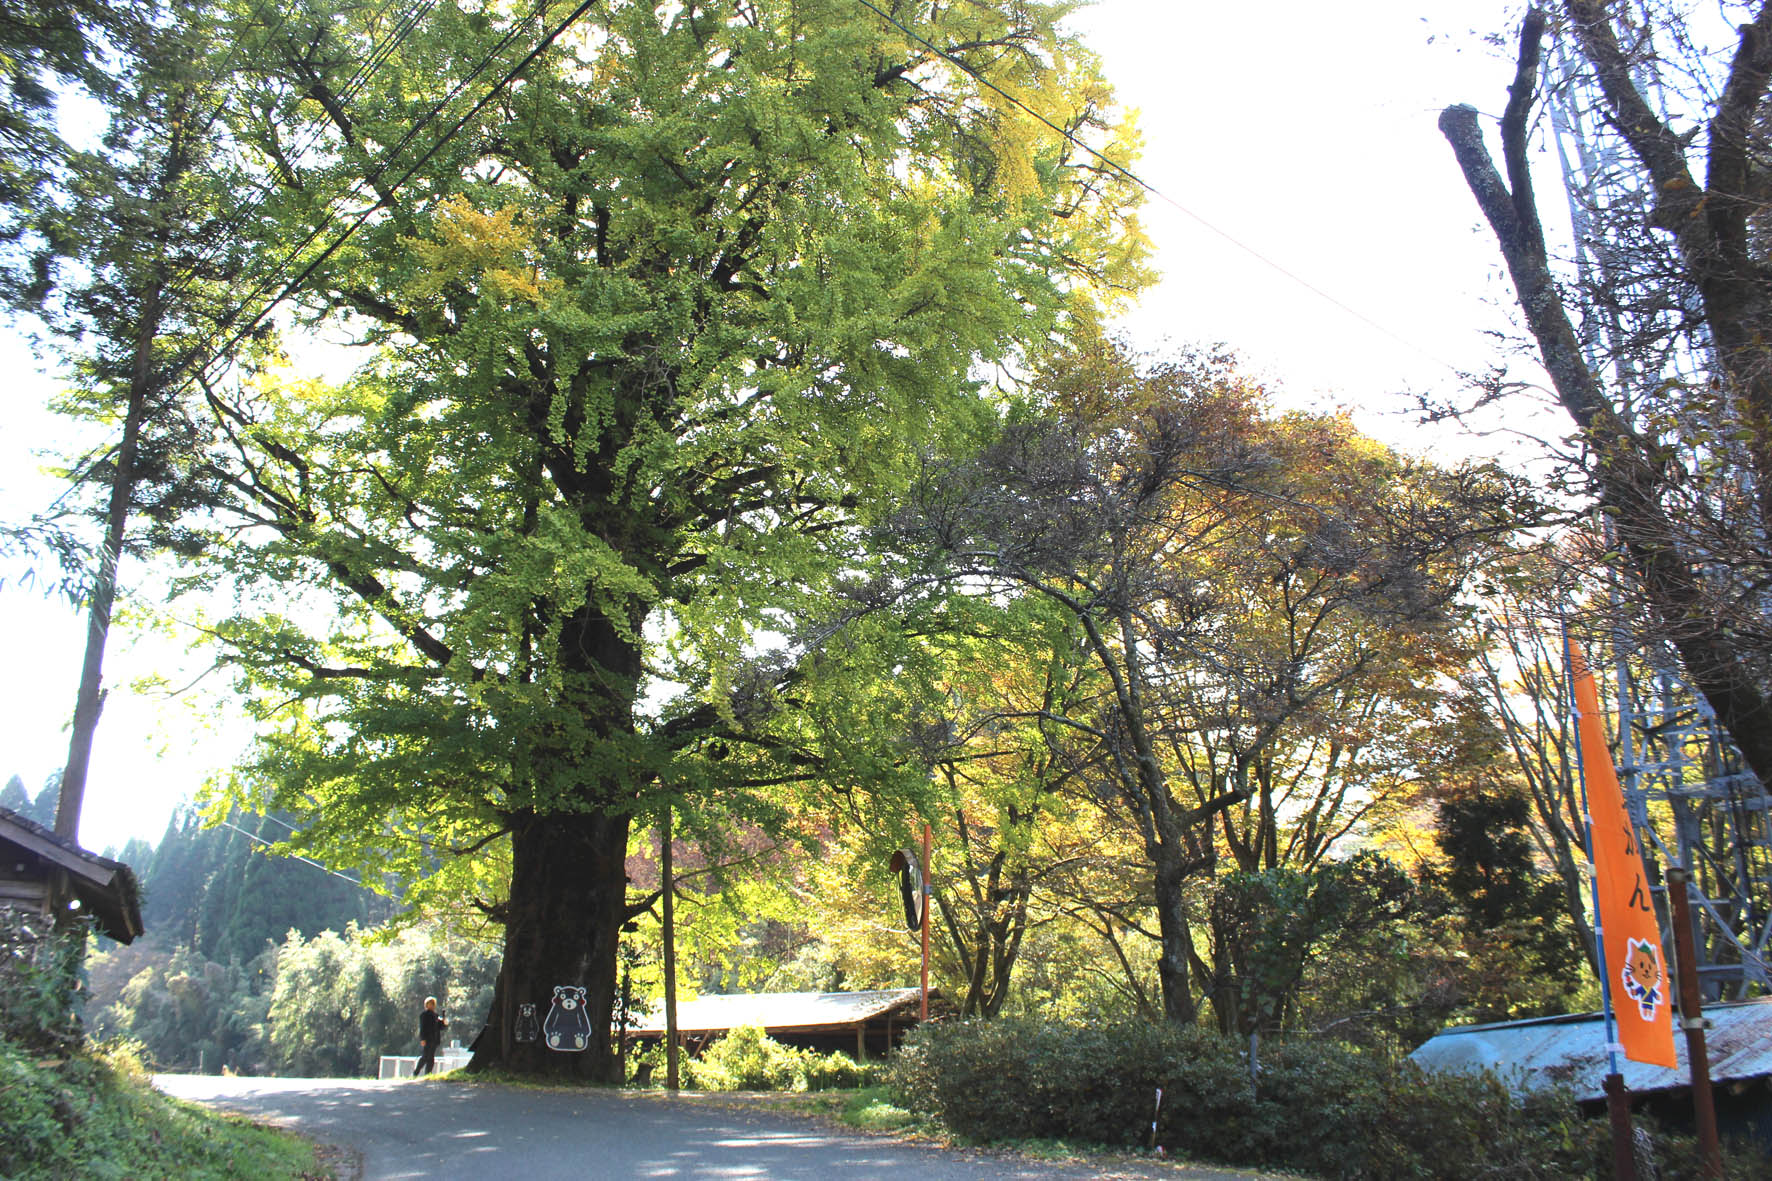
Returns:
(1571, 1051)
(780, 1011)
(106, 889)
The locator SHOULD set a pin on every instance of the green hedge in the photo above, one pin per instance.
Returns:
(1317, 1108)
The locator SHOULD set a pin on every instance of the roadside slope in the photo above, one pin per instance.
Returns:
(94, 1114)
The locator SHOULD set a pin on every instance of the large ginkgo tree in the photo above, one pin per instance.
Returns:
(648, 343)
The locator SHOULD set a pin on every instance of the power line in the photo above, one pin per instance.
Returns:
(365, 73)
(1152, 189)
(316, 128)
(294, 284)
(252, 836)
(184, 362)
(228, 61)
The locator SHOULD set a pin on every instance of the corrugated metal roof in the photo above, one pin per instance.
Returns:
(778, 1010)
(1571, 1051)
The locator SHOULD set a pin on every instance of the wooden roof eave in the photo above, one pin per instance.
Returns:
(89, 868)
(105, 888)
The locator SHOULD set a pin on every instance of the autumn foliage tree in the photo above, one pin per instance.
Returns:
(1240, 615)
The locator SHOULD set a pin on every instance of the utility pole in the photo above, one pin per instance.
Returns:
(923, 1006)
(670, 952)
(1704, 1107)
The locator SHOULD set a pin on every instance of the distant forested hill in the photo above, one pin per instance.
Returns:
(15, 797)
(215, 890)
(262, 964)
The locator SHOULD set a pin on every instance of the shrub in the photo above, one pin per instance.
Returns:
(747, 1059)
(833, 1072)
(1024, 1078)
(1314, 1107)
(39, 974)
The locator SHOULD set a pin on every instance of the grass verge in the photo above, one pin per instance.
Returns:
(871, 1109)
(94, 1114)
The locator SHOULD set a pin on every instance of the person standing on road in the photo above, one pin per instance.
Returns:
(430, 1035)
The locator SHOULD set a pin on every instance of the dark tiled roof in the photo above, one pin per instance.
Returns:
(106, 889)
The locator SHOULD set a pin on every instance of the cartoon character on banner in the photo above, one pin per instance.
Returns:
(528, 1029)
(568, 1024)
(1644, 980)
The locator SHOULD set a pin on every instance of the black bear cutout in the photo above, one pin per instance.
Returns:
(528, 1029)
(568, 1024)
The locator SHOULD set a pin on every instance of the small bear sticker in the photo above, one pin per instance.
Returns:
(568, 1024)
(528, 1028)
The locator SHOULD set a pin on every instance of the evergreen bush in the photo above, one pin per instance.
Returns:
(1313, 1107)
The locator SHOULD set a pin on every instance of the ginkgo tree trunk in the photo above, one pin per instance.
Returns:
(651, 340)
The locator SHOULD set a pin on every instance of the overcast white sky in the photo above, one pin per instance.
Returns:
(1304, 131)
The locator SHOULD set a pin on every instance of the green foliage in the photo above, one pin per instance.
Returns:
(832, 1072)
(1168, 513)
(189, 1014)
(232, 930)
(47, 47)
(227, 894)
(1020, 1077)
(16, 797)
(39, 974)
(327, 1005)
(341, 1002)
(747, 1059)
(1317, 1108)
(314, 1014)
(649, 345)
(871, 1107)
(1524, 956)
(1273, 922)
(94, 1115)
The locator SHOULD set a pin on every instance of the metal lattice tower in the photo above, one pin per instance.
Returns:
(1686, 788)
(1685, 785)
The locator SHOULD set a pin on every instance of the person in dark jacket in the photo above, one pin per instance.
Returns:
(430, 1035)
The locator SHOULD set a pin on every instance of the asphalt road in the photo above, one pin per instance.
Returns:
(402, 1129)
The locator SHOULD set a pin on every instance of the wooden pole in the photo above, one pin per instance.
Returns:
(670, 952)
(1704, 1108)
(1624, 1157)
(923, 1006)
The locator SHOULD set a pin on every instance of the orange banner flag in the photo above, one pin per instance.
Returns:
(1639, 984)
